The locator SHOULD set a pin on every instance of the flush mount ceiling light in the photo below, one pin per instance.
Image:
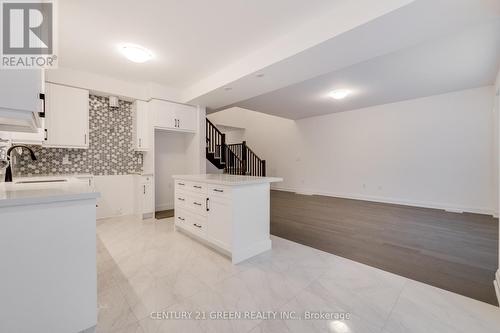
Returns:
(339, 93)
(136, 53)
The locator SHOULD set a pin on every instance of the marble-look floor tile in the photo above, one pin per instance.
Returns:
(114, 313)
(146, 267)
(146, 293)
(271, 326)
(423, 308)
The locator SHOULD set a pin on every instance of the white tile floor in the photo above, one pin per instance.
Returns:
(146, 267)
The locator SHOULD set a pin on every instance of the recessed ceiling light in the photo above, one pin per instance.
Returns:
(136, 53)
(340, 93)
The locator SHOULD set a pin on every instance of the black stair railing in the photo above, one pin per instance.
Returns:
(252, 164)
(238, 159)
(216, 141)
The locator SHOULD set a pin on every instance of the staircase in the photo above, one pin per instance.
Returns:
(235, 159)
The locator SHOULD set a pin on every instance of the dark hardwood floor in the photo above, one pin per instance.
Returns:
(456, 252)
(163, 214)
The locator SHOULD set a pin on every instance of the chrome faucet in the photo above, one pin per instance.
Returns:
(8, 171)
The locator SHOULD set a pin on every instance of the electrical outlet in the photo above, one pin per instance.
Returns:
(65, 159)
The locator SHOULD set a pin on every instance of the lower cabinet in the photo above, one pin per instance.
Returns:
(233, 219)
(219, 221)
(204, 214)
(145, 196)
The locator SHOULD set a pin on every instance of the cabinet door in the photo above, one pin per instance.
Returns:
(219, 227)
(141, 125)
(164, 114)
(20, 101)
(147, 195)
(20, 89)
(186, 116)
(66, 117)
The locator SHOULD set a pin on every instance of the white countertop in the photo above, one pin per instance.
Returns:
(12, 194)
(229, 180)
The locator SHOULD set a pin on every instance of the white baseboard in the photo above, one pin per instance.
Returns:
(496, 283)
(450, 208)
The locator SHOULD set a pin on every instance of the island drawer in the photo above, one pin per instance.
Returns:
(180, 185)
(180, 199)
(196, 187)
(219, 191)
(189, 221)
(196, 203)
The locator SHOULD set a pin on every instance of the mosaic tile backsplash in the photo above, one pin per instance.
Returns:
(110, 149)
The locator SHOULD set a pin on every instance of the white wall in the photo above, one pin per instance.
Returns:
(233, 134)
(433, 152)
(170, 159)
(105, 85)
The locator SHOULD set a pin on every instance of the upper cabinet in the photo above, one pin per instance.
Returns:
(141, 126)
(66, 117)
(174, 116)
(21, 102)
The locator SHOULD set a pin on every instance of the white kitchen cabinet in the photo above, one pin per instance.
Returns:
(186, 116)
(20, 100)
(219, 220)
(230, 213)
(146, 196)
(174, 116)
(66, 117)
(141, 126)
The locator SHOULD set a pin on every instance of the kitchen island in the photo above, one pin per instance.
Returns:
(48, 256)
(228, 212)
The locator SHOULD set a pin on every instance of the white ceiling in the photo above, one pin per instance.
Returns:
(431, 22)
(190, 38)
(466, 60)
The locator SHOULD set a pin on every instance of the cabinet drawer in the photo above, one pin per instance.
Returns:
(197, 204)
(180, 199)
(196, 187)
(189, 221)
(219, 191)
(180, 185)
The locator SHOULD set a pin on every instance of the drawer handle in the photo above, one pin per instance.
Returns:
(181, 184)
(217, 190)
(197, 203)
(181, 199)
(181, 218)
(196, 186)
(197, 225)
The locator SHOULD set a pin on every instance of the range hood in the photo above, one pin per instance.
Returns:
(21, 100)
(19, 121)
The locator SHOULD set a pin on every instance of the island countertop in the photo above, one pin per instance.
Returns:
(228, 180)
(12, 194)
